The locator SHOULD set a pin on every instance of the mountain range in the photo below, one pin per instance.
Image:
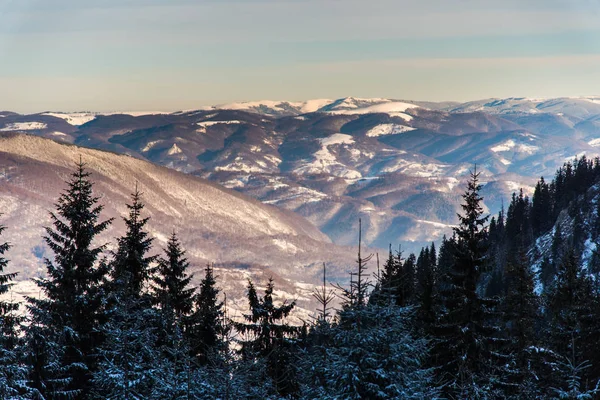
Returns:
(399, 165)
(295, 176)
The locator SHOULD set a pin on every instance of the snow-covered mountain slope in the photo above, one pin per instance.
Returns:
(242, 236)
(397, 164)
(577, 107)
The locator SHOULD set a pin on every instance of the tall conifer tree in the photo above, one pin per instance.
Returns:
(466, 341)
(171, 291)
(206, 324)
(70, 315)
(132, 266)
(12, 373)
(270, 338)
(134, 332)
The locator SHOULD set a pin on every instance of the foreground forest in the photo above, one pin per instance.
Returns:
(476, 318)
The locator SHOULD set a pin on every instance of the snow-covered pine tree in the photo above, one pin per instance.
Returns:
(12, 372)
(128, 365)
(270, 338)
(171, 280)
(522, 319)
(131, 267)
(572, 311)
(573, 385)
(466, 340)
(69, 317)
(381, 360)
(206, 325)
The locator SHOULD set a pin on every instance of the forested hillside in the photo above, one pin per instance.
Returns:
(506, 307)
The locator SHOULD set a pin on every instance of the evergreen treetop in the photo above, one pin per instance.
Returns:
(171, 281)
(131, 265)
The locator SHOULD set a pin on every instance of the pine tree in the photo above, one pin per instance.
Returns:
(12, 373)
(521, 323)
(445, 259)
(406, 291)
(206, 324)
(427, 296)
(389, 281)
(135, 331)
(466, 340)
(269, 338)
(571, 311)
(380, 359)
(171, 290)
(131, 267)
(541, 208)
(70, 316)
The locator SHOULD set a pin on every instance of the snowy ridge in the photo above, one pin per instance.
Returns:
(388, 129)
(394, 109)
(75, 119)
(23, 126)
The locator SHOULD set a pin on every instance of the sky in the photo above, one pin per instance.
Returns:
(151, 55)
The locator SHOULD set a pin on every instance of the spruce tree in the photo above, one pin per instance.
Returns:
(70, 315)
(206, 324)
(521, 320)
(427, 297)
(541, 208)
(466, 339)
(389, 281)
(171, 281)
(270, 338)
(571, 311)
(135, 331)
(12, 373)
(131, 267)
(407, 289)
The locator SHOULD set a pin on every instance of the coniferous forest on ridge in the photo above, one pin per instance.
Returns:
(481, 315)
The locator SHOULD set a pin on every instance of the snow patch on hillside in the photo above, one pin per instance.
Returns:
(511, 145)
(594, 142)
(306, 195)
(150, 145)
(391, 108)
(23, 126)
(285, 246)
(415, 169)
(388, 129)
(205, 124)
(277, 106)
(75, 119)
(174, 150)
(337, 138)
(326, 162)
(238, 165)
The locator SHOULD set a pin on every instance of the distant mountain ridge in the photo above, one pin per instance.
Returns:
(397, 164)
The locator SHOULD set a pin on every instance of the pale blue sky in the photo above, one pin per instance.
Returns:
(180, 54)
